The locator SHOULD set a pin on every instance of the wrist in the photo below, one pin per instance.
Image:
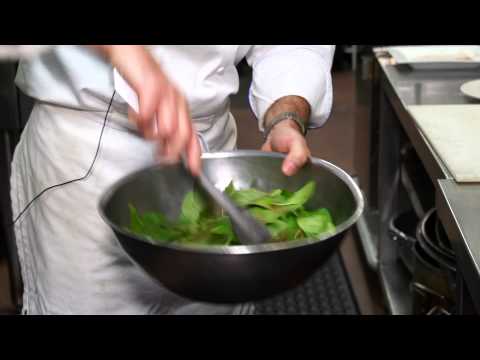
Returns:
(104, 50)
(288, 123)
(285, 120)
(136, 64)
(118, 53)
(295, 105)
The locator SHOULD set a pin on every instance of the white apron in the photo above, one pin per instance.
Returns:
(71, 263)
(70, 260)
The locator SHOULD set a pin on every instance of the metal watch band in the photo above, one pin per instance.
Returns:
(286, 116)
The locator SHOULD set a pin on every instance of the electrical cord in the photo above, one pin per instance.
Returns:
(87, 174)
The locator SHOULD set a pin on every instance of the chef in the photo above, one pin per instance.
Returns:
(70, 261)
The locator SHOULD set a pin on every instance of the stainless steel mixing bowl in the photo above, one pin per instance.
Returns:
(226, 274)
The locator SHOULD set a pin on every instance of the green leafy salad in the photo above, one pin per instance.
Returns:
(282, 212)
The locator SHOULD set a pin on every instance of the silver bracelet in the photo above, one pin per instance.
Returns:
(286, 116)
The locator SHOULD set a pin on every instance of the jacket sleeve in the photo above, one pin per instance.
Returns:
(285, 70)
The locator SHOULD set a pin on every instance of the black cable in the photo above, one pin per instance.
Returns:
(74, 180)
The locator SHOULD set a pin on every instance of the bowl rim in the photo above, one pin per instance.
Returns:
(241, 249)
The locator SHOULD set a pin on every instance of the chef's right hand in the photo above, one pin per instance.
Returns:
(163, 111)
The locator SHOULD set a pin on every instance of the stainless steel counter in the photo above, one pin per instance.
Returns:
(458, 206)
(405, 87)
(394, 88)
(429, 87)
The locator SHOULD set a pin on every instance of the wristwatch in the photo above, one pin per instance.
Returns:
(286, 116)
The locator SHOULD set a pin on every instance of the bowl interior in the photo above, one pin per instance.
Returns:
(162, 188)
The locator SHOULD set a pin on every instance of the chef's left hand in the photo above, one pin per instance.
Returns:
(286, 137)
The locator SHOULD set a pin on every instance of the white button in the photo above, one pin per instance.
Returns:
(220, 70)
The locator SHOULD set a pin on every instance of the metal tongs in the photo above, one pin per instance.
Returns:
(248, 230)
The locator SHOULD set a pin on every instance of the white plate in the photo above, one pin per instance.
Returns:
(437, 57)
(471, 89)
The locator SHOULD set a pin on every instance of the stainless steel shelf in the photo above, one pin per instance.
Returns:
(417, 205)
(396, 286)
(367, 227)
(394, 277)
(458, 206)
(397, 87)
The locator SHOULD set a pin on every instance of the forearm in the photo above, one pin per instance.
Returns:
(135, 63)
(19, 52)
(116, 53)
(288, 104)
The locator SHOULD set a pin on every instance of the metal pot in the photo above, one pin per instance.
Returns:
(427, 229)
(428, 240)
(226, 274)
(430, 286)
(402, 230)
(443, 240)
(435, 273)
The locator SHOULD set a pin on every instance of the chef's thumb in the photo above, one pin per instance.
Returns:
(296, 158)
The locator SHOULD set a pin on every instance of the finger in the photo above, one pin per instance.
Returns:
(167, 160)
(147, 100)
(167, 114)
(132, 115)
(179, 141)
(194, 153)
(161, 148)
(166, 151)
(297, 157)
(267, 146)
(148, 128)
(145, 128)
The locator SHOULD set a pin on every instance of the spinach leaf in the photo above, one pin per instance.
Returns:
(281, 211)
(264, 215)
(270, 200)
(283, 229)
(275, 193)
(300, 197)
(230, 189)
(222, 226)
(315, 223)
(136, 224)
(293, 231)
(247, 197)
(192, 207)
(155, 218)
(152, 225)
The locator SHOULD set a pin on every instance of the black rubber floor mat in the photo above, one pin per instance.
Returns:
(327, 292)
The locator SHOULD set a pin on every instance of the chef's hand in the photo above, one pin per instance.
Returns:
(163, 111)
(287, 137)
